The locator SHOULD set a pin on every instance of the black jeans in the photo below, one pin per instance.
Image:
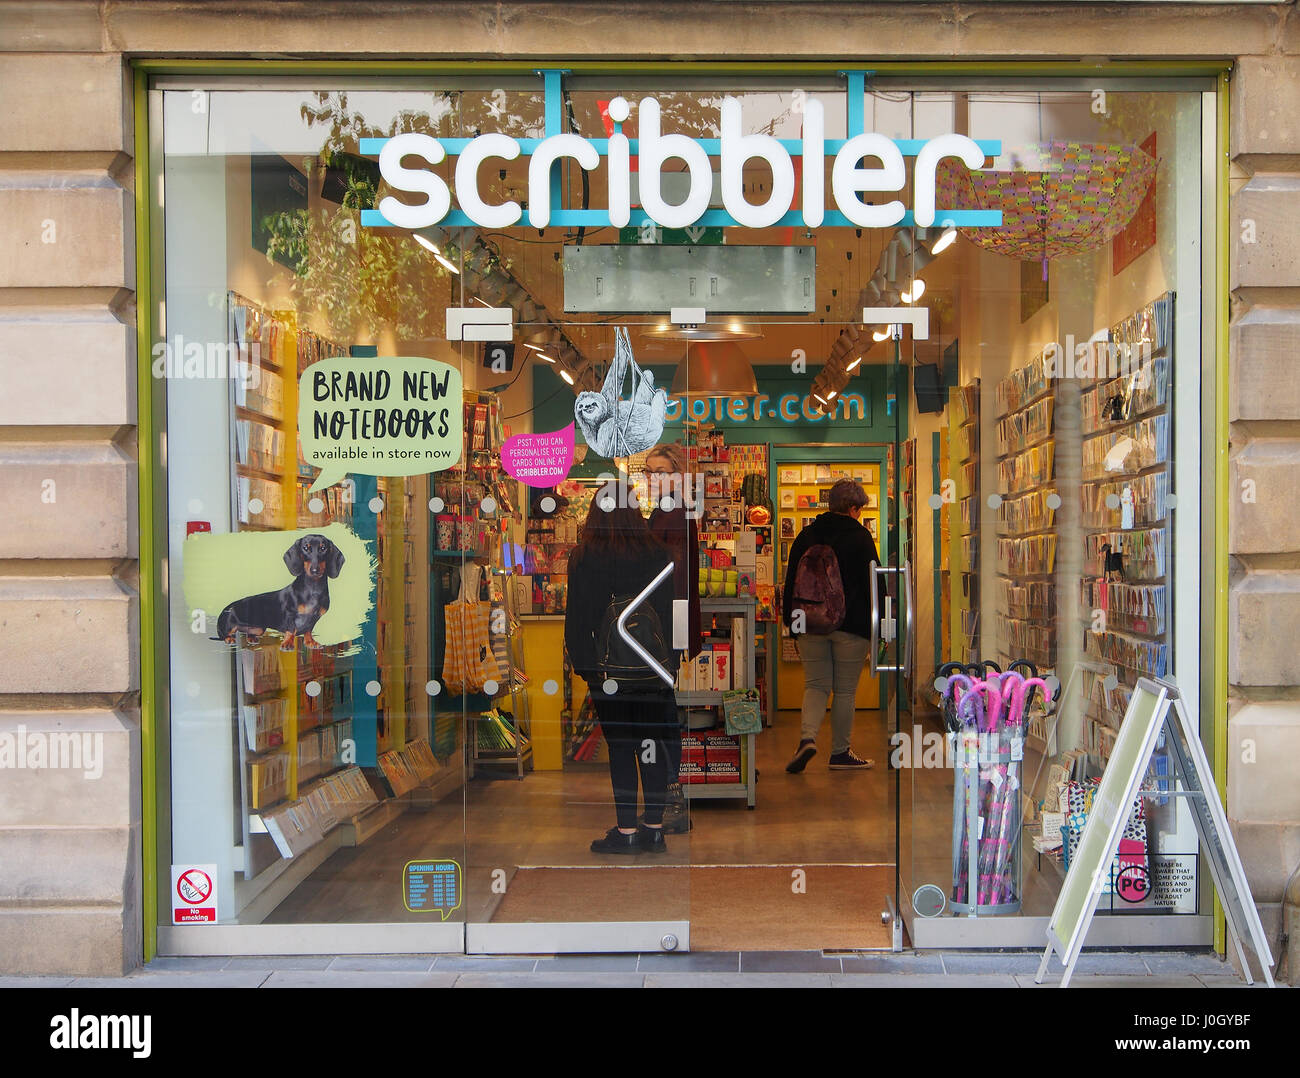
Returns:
(639, 722)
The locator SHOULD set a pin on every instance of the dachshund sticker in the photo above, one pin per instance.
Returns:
(293, 610)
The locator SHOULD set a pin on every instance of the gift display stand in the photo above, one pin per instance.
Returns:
(741, 610)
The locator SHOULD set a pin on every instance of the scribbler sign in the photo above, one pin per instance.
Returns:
(859, 191)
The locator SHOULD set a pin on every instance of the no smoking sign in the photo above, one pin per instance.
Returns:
(194, 894)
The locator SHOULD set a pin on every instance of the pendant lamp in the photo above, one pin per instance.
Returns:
(715, 369)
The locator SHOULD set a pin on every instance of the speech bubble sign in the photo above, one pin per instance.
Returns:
(385, 415)
(539, 460)
(429, 886)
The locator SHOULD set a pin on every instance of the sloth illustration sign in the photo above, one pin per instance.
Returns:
(855, 188)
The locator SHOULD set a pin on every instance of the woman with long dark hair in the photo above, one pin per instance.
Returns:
(615, 560)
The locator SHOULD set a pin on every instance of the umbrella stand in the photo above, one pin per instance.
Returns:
(986, 798)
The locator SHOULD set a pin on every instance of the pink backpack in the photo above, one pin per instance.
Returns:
(819, 590)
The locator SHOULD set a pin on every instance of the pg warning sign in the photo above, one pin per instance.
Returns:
(194, 894)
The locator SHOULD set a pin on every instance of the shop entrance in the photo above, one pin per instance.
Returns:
(712, 469)
(405, 743)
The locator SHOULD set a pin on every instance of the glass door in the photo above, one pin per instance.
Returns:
(577, 834)
(892, 581)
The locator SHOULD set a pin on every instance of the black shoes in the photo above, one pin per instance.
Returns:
(807, 750)
(617, 842)
(644, 840)
(652, 839)
(850, 761)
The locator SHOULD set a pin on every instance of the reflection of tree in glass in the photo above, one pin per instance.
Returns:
(366, 281)
(363, 281)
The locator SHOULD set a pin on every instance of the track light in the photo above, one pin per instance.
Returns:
(426, 243)
(566, 376)
(881, 335)
(915, 292)
(946, 239)
(853, 366)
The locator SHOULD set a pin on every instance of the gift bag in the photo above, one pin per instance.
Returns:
(1132, 852)
(468, 661)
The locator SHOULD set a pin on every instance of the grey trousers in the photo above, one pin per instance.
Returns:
(831, 665)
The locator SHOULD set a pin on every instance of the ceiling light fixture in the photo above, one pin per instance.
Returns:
(715, 368)
(703, 332)
(915, 292)
(946, 239)
(446, 262)
(854, 365)
(880, 335)
(543, 355)
(566, 376)
(427, 244)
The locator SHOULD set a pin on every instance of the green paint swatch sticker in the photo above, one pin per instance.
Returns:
(390, 415)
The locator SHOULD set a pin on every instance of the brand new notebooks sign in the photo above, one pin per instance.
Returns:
(851, 181)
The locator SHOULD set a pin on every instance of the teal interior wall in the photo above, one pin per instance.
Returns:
(866, 411)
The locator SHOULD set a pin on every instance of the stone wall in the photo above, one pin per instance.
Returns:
(1264, 492)
(69, 844)
(69, 837)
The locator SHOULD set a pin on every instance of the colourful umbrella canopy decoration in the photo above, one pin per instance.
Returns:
(1085, 193)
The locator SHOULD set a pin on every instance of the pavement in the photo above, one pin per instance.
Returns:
(749, 969)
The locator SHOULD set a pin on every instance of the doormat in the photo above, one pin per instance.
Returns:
(733, 908)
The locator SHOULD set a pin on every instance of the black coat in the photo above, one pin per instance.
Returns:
(855, 551)
(595, 578)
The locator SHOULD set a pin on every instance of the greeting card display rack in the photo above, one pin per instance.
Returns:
(1026, 402)
(964, 513)
(297, 709)
(1125, 600)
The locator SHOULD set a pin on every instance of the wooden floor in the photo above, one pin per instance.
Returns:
(496, 826)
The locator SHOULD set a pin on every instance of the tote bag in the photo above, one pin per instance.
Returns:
(468, 661)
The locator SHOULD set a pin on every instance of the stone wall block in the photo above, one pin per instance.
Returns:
(69, 634)
(67, 500)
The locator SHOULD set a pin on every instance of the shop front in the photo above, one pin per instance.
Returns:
(435, 354)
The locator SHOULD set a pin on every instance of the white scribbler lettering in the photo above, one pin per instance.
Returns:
(851, 179)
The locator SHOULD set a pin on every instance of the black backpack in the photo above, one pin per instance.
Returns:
(615, 658)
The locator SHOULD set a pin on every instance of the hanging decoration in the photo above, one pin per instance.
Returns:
(1083, 194)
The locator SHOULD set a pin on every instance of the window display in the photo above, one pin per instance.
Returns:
(426, 409)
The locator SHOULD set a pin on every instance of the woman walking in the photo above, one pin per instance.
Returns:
(615, 560)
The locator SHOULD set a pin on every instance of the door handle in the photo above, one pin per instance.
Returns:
(681, 624)
(910, 646)
(888, 629)
(621, 625)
